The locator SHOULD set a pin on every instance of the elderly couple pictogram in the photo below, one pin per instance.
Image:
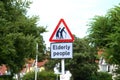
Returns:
(60, 32)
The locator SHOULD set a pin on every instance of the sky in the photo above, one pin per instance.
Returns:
(76, 13)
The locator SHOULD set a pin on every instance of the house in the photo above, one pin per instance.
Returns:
(104, 66)
(30, 66)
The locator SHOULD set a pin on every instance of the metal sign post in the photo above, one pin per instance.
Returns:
(63, 66)
(36, 69)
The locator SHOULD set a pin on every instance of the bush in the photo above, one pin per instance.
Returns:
(44, 75)
(102, 76)
(6, 77)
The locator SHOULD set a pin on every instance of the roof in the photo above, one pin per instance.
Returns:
(3, 69)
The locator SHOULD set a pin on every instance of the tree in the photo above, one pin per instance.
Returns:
(18, 34)
(99, 30)
(109, 27)
(82, 65)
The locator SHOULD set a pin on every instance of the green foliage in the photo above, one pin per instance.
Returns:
(105, 31)
(6, 77)
(81, 45)
(99, 30)
(44, 75)
(82, 65)
(105, 34)
(18, 34)
(117, 76)
(51, 64)
(102, 76)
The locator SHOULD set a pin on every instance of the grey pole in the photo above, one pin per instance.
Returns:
(36, 61)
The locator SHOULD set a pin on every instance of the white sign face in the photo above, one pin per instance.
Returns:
(61, 50)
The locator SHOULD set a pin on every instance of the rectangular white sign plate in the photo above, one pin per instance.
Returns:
(61, 50)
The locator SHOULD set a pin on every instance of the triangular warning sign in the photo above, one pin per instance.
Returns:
(61, 33)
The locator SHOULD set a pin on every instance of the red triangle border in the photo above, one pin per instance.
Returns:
(61, 40)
